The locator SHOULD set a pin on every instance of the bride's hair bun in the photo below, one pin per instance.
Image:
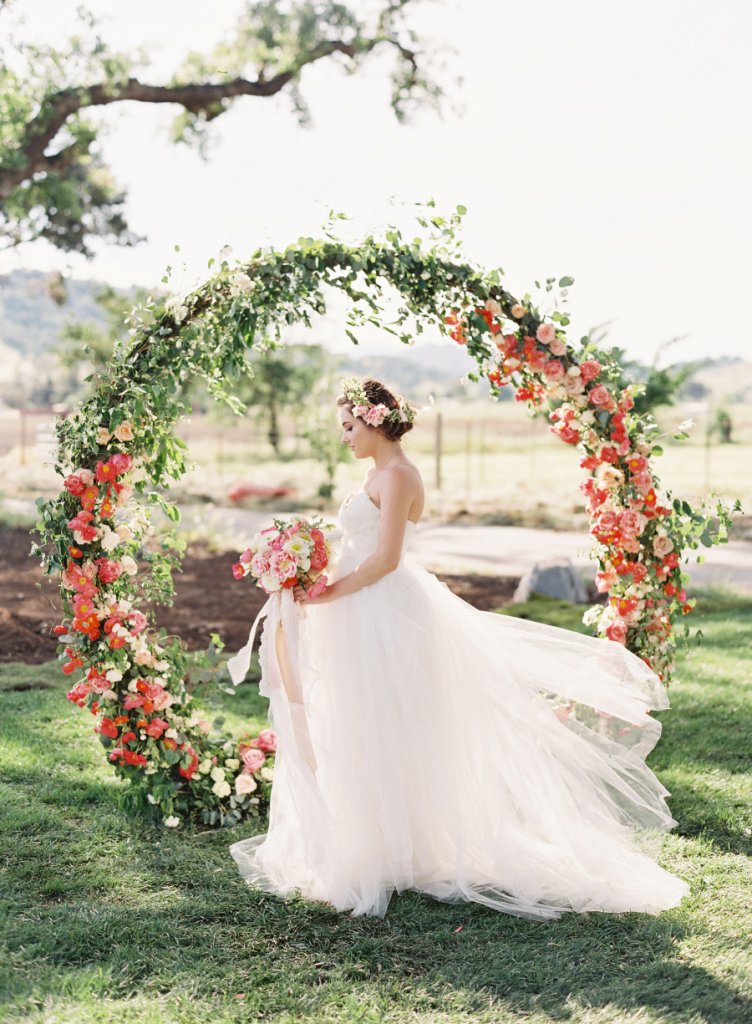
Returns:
(379, 394)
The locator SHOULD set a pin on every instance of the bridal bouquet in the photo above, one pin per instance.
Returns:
(287, 553)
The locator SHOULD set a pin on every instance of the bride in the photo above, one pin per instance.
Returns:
(424, 744)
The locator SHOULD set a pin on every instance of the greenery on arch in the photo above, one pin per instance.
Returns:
(119, 449)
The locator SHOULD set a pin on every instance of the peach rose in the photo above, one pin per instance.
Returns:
(518, 311)
(545, 333)
(124, 431)
(103, 435)
(662, 545)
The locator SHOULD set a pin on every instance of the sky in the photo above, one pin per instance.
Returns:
(611, 142)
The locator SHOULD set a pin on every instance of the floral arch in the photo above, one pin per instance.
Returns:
(120, 445)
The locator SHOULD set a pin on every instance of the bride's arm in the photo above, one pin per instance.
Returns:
(395, 500)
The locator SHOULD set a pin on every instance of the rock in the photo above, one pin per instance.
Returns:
(554, 578)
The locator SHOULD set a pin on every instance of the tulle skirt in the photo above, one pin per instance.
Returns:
(464, 754)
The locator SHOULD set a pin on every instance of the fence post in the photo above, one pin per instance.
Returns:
(438, 450)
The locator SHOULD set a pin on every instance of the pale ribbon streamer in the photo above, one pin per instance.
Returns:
(282, 621)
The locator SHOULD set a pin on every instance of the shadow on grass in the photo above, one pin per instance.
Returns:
(216, 936)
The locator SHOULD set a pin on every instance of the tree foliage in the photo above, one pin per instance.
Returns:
(54, 183)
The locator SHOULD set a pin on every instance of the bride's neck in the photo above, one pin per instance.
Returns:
(386, 456)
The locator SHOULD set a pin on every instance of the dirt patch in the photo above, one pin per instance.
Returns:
(207, 600)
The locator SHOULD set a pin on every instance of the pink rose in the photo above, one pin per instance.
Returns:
(590, 368)
(74, 484)
(108, 571)
(545, 333)
(599, 395)
(557, 347)
(253, 758)
(375, 415)
(266, 740)
(617, 631)
(246, 556)
(317, 588)
(137, 622)
(120, 462)
(360, 410)
(639, 572)
(553, 369)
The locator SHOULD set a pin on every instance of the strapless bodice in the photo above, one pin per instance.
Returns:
(359, 517)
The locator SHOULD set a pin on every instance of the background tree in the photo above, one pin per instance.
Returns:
(282, 382)
(54, 183)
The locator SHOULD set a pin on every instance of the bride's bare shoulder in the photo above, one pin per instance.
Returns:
(406, 476)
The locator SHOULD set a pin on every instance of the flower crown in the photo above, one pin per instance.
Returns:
(374, 415)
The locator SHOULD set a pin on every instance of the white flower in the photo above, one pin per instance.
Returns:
(240, 283)
(128, 565)
(245, 783)
(205, 767)
(232, 763)
(109, 538)
(222, 788)
(171, 733)
(218, 773)
(114, 675)
(228, 747)
(172, 822)
(151, 798)
(267, 774)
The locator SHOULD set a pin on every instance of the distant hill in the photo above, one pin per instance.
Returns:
(31, 322)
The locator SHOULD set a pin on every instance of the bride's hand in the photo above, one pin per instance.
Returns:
(299, 594)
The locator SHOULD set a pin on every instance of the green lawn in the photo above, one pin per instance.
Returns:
(107, 919)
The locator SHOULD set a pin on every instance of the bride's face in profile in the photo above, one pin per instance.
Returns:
(356, 433)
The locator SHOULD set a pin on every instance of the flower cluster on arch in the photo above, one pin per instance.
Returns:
(638, 537)
(155, 733)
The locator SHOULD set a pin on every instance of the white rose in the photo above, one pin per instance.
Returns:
(232, 763)
(172, 822)
(221, 788)
(218, 773)
(205, 767)
(267, 774)
(171, 733)
(128, 565)
(109, 539)
(240, 283)
(245, 783)
(114, 675)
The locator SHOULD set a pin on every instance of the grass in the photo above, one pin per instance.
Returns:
(106, 919)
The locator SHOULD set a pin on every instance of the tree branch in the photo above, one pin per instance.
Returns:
(195, 97)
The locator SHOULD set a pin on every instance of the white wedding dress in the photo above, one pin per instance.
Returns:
(462, 753)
